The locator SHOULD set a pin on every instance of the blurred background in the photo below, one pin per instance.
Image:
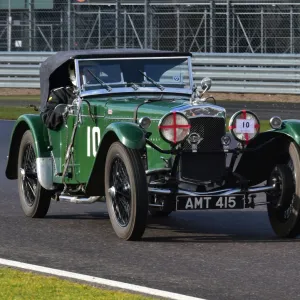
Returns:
(193, 25)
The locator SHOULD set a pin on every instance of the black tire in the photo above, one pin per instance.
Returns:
(284, 206)
(126, 192)
(34, 199)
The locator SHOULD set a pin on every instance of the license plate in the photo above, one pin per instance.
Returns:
(209, 202)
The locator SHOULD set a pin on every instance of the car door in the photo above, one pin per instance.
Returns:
(59, 140)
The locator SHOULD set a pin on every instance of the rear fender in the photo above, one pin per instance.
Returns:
(40, 134)
(130, 135)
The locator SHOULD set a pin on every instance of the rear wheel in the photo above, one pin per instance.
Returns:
(126, 191)
(284, 204)
(34, 199)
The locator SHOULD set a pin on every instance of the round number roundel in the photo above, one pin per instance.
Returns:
(244, 126)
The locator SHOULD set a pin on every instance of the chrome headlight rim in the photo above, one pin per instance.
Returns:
(232, 125)
(172, 114)
(142, 121)
(273, 124)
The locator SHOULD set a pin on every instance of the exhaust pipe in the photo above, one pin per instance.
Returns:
(78, 200)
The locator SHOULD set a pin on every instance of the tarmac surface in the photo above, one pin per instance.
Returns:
(208, 254)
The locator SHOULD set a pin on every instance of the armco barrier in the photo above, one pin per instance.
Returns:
(240, 73)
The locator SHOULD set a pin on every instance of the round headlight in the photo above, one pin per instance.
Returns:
(244, 126)
(174, 127)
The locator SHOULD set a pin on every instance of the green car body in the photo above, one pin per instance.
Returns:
(138, 124)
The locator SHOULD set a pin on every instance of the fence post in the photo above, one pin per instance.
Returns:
(69, 23)
(212, 25)
(9, 28)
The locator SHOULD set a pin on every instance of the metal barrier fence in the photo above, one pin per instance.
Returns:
(232, 26)
(240, 73)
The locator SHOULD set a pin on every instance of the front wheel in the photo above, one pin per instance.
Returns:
(284, 203)
(34, 199)
(126, 192)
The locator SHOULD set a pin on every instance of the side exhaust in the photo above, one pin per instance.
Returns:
(79, 200)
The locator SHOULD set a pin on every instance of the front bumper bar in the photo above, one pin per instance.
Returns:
(225, 192)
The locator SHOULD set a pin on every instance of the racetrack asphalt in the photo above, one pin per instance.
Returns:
(208, 254)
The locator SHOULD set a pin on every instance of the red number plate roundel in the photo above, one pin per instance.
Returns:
(244, 126)
(174, 127)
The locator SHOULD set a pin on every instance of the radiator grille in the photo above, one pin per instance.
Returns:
(210, 130)
(199, 166)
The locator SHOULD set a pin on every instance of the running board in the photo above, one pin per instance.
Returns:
(79, 200)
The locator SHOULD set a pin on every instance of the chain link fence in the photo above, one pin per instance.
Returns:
(199, 26)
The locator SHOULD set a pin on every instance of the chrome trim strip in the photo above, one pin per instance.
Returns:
(221, 192)
(190, 68)
(44, 169)
(155, 205)
(117, 118)
(201, 110)
(77, 73)
(87, 116)
(111, 118)
(132, 58)
(141, 90)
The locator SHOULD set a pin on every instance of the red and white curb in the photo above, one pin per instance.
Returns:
(101, 281)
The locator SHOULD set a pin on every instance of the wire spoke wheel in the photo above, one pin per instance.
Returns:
(284, 203)
(28, 173)
(126, 191)
(34, 199)
(121, 198)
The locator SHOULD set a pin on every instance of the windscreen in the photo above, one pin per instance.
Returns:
(116, 73)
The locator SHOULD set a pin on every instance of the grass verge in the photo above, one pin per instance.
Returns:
(13, 112)
(19, 98)
(17, 285)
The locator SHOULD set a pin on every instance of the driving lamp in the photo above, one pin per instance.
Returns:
(244, 126)
(145, 122)
(275, 122)
(174, 128)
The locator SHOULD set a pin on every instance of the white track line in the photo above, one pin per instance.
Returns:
(101, 281)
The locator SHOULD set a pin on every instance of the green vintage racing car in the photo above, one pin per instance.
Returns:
(143, 137)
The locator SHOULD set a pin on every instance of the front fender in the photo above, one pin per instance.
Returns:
(25, 122)
(291, 128)
(129, 134)
(272, 147)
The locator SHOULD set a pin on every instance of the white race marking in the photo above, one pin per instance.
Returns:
(101, 281)
(95, 132)
(88, 141)
(96, 139)
(245, 126)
